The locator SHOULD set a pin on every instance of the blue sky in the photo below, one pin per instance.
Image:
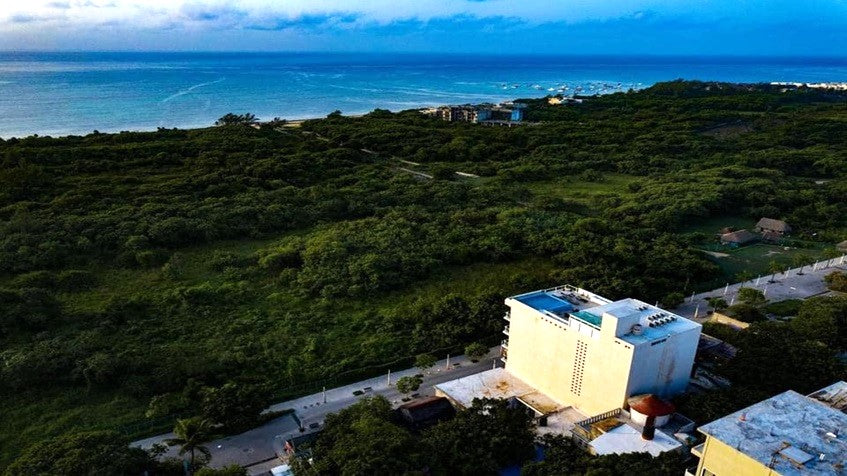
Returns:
(662, 27)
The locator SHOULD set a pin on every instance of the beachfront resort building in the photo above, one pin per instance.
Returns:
(577, 359)
(788, 434)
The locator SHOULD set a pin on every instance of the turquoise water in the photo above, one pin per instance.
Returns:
(544, 302)
(589, 318)
(61, 93)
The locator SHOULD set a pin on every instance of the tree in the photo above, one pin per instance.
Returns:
(745, 312)
(836, 281)
(476, 351)
(563, 456)
(409, 384)
(237, 406)
(774, 268)
(361, 439)
(86, 453)
(800, 260)
(425, 361)
(191, 433)
(673, 300)
(231, 119)
(752, 296)
(823, 319)
(718, 303)
(482, 439)
(772, 358)
(743, 277)
(443, 172)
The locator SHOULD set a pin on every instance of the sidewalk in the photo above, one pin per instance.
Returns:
(257, 448)
(789, 285)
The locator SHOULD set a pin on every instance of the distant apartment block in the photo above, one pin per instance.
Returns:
(788, 434)
(482, 113)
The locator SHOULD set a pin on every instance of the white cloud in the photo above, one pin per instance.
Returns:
(31, 16)
(150, 13)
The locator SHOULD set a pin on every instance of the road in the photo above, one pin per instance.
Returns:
(790, 285)
(257, 449)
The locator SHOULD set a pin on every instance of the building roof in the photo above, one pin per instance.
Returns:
(842, 246)
(789, 432)
(569, 304)
(768, 235)
(650, 405)
(641, 323)
(499, 384)
(773, 224)
(425, 409)
(709, 346)
(627, 439)
(740, 237)
(834, 396)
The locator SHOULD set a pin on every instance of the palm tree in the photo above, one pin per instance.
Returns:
(190, 433)
(800, 261)
(774, 268)
(744, 276)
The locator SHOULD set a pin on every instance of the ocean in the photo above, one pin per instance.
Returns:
(77, 93)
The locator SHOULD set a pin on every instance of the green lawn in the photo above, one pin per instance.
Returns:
(584, 192)
(756, 259)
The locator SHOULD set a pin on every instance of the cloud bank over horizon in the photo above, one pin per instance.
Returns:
(766, 27)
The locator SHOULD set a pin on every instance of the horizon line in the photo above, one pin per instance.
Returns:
(433, 53)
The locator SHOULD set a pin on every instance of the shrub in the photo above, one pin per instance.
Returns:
(836, 281)
(409, 384)
(36, 279)
(476, 351)
(745, 313)
(673, 300)
(281, 259)
(76, 280)
(751, 296)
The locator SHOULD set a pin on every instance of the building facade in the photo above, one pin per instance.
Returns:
(588, 352)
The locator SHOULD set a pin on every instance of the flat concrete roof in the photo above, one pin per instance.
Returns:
(627, 439)
(569, 302)
(655, 322)
(499, 384)
(792, 433)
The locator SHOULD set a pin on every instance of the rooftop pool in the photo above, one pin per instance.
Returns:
(543, 301)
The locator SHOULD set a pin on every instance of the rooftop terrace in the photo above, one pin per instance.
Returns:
(500, 384)
(638, 322)
(789, 432)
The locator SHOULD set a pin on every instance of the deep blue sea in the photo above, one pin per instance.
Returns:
(74, 93)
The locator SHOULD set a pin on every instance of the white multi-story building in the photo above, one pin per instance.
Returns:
(587, 352)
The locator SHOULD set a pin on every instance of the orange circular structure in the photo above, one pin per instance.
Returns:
(651, 405)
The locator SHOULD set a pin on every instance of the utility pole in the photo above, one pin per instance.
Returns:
(324, 392)
(447, 367)
(726, 289)
(389, 377)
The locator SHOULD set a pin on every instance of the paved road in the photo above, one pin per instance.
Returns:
(257, 449)
(790, 285)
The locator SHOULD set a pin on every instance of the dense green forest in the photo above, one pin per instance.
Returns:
(142, 272)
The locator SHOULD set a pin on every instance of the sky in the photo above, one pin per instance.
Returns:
(655, 27)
